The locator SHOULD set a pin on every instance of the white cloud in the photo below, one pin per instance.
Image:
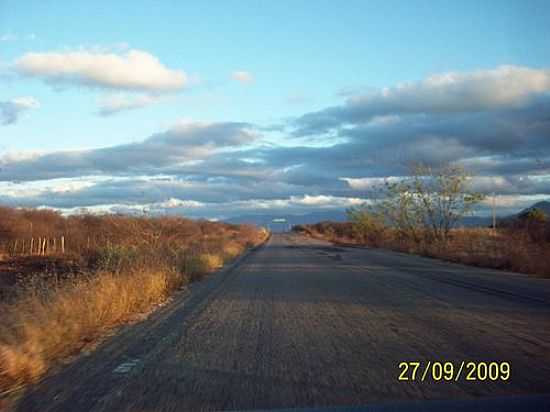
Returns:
(10, 110)
(325, 201)
(516, 202)
(292, 204)
(53, 186)
(134, 70)
(174, 202)
(367, 183)
(116, 103)
(243, 77)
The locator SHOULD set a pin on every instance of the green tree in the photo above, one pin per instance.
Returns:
(427, 204)
(442, 197)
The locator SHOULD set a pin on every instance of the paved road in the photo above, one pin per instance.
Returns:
(301, 323)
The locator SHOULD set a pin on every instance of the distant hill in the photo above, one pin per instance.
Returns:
(543, 206)
(266, 220)
(285, 221)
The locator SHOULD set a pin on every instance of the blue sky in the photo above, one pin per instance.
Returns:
(267, 65)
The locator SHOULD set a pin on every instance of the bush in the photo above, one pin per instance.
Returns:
(113, 258)
(195, 266)
(211, 261)
(368, 227)
(231, 250)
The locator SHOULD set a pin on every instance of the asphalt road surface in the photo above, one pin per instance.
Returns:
(301, 323)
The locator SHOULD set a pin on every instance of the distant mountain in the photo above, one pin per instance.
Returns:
(283, 222)
(543, 206)
(473, 221)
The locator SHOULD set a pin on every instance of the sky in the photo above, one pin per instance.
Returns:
(226, 108)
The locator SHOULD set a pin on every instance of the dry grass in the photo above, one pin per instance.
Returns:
(231, 250)
(40, 328)
(125, 265)
(211, 261)
(507, 249)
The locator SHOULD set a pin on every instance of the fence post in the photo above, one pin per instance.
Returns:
(63, 244)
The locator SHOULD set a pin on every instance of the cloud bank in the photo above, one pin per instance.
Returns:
(494, 122)
(506, 87)
(181, 144)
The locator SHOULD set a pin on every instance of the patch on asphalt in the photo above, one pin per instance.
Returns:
(330, 249)
(336, 256)
(127, 366)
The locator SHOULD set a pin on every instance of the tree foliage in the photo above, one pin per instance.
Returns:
(423, 206)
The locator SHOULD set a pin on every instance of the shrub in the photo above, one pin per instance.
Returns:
(211, 261)
(195, 266)
(367, 226)
(113, 258)
(231, 250)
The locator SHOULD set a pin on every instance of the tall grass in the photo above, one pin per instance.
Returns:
(130, 264)
(42, 327)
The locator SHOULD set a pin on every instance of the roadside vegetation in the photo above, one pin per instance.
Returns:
(54, 302)
(420, 214)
